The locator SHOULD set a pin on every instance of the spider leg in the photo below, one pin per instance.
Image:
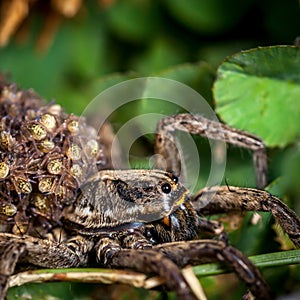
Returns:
(165, 144)
(47, 253)
(213, 227)
(149, 261)
(223, 199)
(44, 253)
(206, 251)
(8, 261)
(142, 259)
(210, 226)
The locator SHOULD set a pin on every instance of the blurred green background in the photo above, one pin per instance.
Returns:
(72, 58)
(142, 37)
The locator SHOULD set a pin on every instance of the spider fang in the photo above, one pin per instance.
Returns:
(166, 220)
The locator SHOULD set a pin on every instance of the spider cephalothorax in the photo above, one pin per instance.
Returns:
(63, 206)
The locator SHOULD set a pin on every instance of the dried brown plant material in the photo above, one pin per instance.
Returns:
(13, 14)
(68, 8)
(15, 20)
(46, 37)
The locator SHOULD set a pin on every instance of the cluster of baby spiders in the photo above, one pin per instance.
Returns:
(42, 160)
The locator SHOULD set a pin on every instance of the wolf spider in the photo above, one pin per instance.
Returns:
(147, 221)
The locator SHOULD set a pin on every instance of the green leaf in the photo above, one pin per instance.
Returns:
(259, 90)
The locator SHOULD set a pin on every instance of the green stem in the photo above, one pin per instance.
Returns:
(261, 261)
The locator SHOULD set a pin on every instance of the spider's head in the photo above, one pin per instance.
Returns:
(117, 198)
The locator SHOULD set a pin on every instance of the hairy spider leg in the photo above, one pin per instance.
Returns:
(165, 144)
(8, 261)
(224, 199)
(207, 251)
(151, 261)
(39, 252)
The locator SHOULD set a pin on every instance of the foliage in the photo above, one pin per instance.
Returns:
(265, 82)
(256, 90)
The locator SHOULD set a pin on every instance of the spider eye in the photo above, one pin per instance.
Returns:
(166, 188)
(175, 179)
